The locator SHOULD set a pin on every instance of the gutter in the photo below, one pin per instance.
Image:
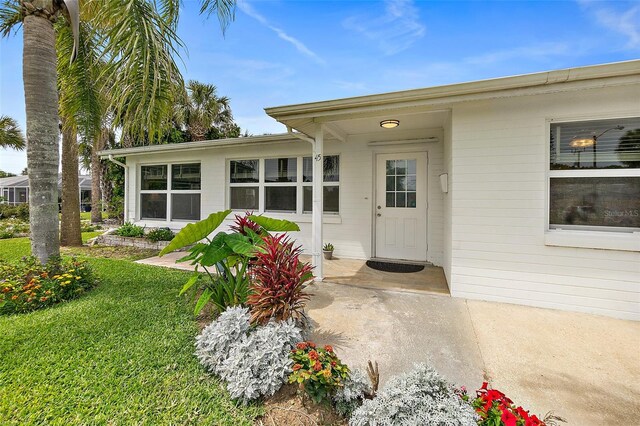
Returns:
(126, 182)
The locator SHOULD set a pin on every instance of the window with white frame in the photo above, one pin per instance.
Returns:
(170, 188)
(594, 176)
(282, 184)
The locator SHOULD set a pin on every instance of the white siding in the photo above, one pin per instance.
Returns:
(499, 196)
(350, 231)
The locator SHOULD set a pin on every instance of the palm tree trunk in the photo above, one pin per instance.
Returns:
(41, 100)
(96, 178)
(70, 232)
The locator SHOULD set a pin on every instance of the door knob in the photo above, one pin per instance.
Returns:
(378, 215)
(379, 207)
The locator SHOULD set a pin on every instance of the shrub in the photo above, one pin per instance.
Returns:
(160, 234)
(279, 279)
(128, 229)
(18, 211)
(258, 364)
(214, 344)
(350, 395)
(87, 226)
(420, 397)
(317, 370)
(28, 285)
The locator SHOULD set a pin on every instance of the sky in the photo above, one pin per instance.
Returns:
(286, 52)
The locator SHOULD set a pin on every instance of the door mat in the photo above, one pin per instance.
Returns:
(394, 266)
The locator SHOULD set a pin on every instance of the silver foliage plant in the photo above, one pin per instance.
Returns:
(419, 397)
(351, 394)
(259, 364)
(214, 344)
(253, 361)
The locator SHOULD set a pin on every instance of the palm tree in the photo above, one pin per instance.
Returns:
(10, 134)
(201, 109)
(139, 42)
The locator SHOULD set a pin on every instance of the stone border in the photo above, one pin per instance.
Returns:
(116, 240)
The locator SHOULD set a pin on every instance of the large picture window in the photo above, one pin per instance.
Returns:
(282, 184)
(594, 177)
(174, 195)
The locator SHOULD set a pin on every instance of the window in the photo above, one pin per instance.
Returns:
(277, 184)
(594, 177)
(401, 183)
(177, 194)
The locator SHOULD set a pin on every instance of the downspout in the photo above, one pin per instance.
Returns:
(316, 221)
(126, 182)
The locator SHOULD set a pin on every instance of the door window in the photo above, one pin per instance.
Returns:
(401, 183)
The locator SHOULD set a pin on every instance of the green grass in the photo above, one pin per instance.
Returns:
(121, 354)
(87, 215)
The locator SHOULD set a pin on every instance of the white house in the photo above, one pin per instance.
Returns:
(525, 189)
(15, 190)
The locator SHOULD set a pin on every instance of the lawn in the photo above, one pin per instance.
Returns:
(121, 354)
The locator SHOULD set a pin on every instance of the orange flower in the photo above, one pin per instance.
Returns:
(43, 299)
(314, 355)
(328, 348)
(301, 345)
(6, 290)
(317, 366)
(14, 297)
(311, 344)
(327, 373)
(296, 367)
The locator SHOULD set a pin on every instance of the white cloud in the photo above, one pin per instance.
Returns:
(244, 6)
(395, 31)
(625, 22)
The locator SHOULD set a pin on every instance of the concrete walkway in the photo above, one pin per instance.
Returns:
(585, 368)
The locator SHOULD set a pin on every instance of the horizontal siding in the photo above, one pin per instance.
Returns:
(498, 204)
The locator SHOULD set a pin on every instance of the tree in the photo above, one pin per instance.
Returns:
(70, 231)
(202, 109)
(139, 41)
(10, 134)
(4, 174)
(24, 171)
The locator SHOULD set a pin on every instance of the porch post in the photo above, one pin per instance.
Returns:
(318, 177)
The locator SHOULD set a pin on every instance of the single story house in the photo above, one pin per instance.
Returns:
(524, 189)
(15, 190)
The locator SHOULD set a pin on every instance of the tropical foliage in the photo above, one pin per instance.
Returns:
(10, 134)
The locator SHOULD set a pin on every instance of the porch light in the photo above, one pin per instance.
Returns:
(389, 124)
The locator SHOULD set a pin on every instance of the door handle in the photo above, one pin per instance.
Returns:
(379, 214)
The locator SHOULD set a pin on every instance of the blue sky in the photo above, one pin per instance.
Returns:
(284, 52)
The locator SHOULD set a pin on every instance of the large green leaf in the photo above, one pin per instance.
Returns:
(192, 280)
(202, 301)
(217, 251)
(194, 232)
(240, 244)
(274, 225)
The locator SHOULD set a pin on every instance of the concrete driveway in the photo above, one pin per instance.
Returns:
(585, 368)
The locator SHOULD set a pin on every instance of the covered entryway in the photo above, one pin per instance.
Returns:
(401, 206)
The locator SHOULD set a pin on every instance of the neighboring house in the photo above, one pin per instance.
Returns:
(525, 189)
(15, 190)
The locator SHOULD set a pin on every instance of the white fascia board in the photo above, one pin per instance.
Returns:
(200, 145)
(624, 73)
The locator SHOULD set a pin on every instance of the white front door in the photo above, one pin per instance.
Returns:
(401, 206)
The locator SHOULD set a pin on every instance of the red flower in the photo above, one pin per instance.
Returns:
(508, 418)
(301, 345)
(296, 367)
(328, 348)
(311, 344)
(314, 355)
(317, 366)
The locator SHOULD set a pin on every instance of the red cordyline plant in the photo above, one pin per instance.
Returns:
(241, 223)
(278, 281)
(495, 409)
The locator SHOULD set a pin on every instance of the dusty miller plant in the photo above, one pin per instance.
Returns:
(419, 397)
(214, 344)
(351, 394)
(258, 364)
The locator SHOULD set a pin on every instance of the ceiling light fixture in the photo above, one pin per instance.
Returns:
(389, 124)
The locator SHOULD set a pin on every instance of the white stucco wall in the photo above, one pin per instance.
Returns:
(499, 195)
(351, 231)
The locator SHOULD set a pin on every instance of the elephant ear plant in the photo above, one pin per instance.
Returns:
(226, 256)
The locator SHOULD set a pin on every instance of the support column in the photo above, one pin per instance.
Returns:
(318, 177)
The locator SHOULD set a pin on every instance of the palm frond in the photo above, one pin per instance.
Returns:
(140, 49)
(10, 16)
(225, 9)
(10, 134)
